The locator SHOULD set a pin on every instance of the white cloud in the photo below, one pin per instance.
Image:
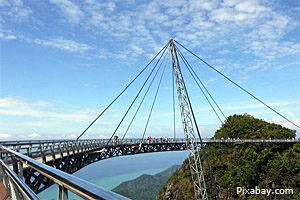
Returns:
(110, 6)
(4, 135)
(151, 24)
(245, 105)
(166, 115)
(289, 113)
(15, 9)
(12, 106)
(34, 135)
(145, 26)
(103, 136)
(70, 10)
(103, 53)
(6, 35)
(251, 6)
(63, 44)
(50, 120)
(141, 28)
(286, 123)
(73, 136)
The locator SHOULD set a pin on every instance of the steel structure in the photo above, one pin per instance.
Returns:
(18, 183)
(29, 158)
(29, 167)
(187, 122)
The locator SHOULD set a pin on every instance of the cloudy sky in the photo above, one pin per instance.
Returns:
(63, 61)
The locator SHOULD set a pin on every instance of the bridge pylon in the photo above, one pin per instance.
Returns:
(188, 127)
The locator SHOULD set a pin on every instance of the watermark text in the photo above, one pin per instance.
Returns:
(257, 191)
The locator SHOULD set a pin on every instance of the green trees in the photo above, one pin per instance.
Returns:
(246, 126)
(266, 168)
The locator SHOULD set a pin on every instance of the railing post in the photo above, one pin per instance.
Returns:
(15, 165)
(77, 147)
(62, 193)
(67, 148)
(73, 148)
(81, 146)
(14, 192)
(6, 158)
(43, 153)
(30, 150)
(52, 152)
(87, 145)
(61, 151)
(20, 172)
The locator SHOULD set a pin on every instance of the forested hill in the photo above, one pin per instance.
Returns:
(266, 168)
(247, 127)
(146, 186)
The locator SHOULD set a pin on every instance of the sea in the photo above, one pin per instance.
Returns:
(111, 172)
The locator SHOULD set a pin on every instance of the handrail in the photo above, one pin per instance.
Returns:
(28, 142)
(33, 142)
(24, 189)
(76, 185)
(23, 150)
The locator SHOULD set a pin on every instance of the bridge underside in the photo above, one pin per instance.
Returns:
(72, 163)
(76, 161)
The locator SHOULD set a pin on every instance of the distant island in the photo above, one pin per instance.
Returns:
(146, 186)
(249, 167)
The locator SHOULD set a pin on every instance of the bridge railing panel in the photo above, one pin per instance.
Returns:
(64, 180)
(13, 186)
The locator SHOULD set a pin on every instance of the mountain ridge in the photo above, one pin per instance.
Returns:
(267, 168)
(145, 186)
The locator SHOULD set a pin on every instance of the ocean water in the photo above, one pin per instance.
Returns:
(111, 172)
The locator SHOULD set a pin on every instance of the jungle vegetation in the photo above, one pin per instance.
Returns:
(267, 167)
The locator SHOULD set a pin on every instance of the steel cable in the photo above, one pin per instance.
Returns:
(135, 98)
(137, 110)
(238, 85)
(122, 91)
(154, 100)
(187, 66)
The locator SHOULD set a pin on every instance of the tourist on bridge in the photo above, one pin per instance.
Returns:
(149, 139)
(115, 140)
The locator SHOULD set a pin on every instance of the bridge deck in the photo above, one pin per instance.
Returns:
(71, 155)
(45, 151)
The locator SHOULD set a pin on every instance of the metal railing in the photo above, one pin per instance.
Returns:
(14, 186)
(44, 148)
(65, 181)
(21, 154)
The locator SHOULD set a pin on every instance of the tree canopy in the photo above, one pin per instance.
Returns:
(265, 167)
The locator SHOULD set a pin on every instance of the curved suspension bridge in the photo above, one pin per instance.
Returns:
(28, 158)
(29, 167)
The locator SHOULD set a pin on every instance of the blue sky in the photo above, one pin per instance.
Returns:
(63, 61)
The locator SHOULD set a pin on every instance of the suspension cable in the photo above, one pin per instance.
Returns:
(122, 91)
(137, 110)
(238, 85)
(184, 61)
(192, 72)
(135, 98)
(154, 99)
